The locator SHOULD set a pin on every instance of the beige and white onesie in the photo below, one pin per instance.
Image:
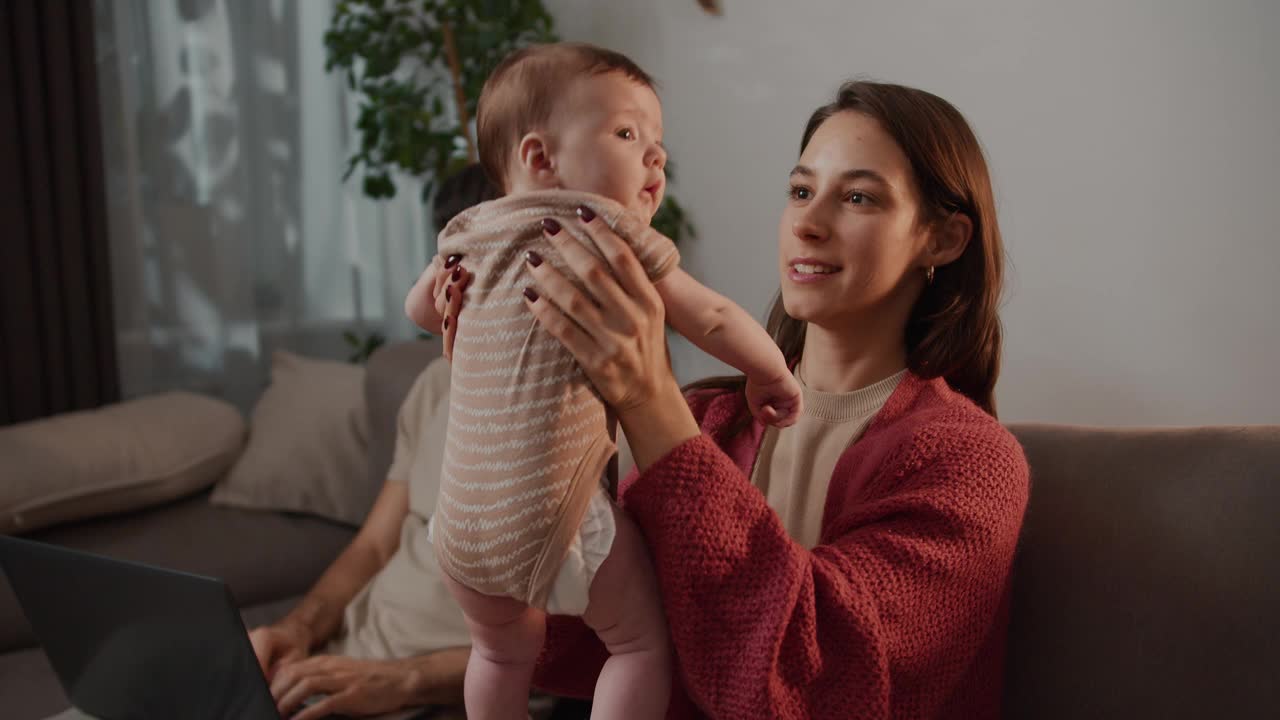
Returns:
(527, 439)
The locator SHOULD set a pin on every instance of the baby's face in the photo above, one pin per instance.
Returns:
(606, 137)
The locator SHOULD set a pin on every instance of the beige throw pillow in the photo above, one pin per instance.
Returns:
(308, 442)
(119, 457)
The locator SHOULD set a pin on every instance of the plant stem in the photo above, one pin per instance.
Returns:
(459, 97)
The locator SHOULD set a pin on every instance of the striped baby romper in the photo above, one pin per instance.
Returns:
(527, 440)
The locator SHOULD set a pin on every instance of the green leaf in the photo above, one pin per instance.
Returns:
(390, 53)
(379, 186)
(351, 166)
(672, 220)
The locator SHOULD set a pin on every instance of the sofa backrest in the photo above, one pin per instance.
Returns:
(1147, 581)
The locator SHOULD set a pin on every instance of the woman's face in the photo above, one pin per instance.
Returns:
(849, 242)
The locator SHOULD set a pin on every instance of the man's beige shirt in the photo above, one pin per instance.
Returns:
(406, 610)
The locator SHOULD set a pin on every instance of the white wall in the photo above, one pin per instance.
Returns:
(1135, 147)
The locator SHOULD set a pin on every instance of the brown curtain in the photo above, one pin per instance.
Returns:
(57, 344)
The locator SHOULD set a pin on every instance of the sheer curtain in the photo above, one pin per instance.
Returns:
(231, 232)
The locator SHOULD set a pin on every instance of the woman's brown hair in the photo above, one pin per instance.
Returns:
(954, 329)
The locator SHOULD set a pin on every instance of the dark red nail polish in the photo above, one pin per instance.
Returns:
(448, 294)
(586, 213)
(534, 258)
(457, 274)
(446, 323)
(452, 260)
(531, 294)
(551, 227)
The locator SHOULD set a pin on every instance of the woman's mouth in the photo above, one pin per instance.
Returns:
(806, 270)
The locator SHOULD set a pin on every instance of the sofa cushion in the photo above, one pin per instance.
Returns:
(307, 444)
(119, 457)
(1146, 581)
(262, 556)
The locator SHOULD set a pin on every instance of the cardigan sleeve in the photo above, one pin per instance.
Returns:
(904, 593)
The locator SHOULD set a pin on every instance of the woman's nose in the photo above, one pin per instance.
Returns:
(810, 227)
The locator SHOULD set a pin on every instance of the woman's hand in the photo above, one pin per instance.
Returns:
(420, 303)
(350, 686)
(435, 299)
(616, 333)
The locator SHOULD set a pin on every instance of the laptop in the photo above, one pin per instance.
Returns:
(134, 642)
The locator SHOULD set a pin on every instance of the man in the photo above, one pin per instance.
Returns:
(384, 630)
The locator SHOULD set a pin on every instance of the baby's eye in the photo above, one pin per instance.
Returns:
(799, 192)
(626, 134)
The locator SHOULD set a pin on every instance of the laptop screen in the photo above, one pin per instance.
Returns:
(133, 641)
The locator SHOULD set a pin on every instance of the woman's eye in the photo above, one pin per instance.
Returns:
(626, 134)
(857, 198)
(799, 192)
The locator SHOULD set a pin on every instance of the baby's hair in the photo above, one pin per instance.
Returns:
(521, 92)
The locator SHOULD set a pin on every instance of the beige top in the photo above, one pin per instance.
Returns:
(527, 441)
(794, 466)
(405, 610)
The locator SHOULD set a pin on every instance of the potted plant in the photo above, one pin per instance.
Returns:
(418, 67)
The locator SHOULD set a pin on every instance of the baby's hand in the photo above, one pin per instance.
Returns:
(775, 402)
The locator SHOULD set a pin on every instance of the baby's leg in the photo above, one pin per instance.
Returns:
(625, 610)
(506, 637)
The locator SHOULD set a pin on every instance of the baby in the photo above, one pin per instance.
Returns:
(523, 526)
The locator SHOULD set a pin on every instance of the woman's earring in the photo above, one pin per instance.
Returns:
(928, 275)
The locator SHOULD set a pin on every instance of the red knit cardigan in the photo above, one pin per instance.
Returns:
(899, 612)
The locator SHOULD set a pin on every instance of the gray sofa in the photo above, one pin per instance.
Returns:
(1144, 585)
(268, 559)
(1147, 582)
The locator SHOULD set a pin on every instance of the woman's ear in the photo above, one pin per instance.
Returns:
(948, 240)
(536, 162)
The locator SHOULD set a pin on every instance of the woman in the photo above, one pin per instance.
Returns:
(856, 564)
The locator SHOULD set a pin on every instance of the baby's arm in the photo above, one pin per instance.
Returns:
(723, 329)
